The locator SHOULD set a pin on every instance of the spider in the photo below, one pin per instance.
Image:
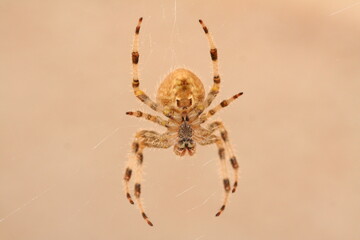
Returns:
(181, 98)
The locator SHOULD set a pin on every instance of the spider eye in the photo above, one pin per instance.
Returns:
(178, 102)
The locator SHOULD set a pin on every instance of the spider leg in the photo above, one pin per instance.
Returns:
(225, 137)
(135, 83)
(225, 175)
(155, 119)
(143, 139)
(205, 116)
(210, 139)
(216, 77)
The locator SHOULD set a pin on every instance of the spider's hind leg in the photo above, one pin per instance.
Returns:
(214, 58)
(141, 95)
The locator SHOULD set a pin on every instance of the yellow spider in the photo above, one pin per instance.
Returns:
(181, 98)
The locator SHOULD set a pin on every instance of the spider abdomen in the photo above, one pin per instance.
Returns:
(180, 90)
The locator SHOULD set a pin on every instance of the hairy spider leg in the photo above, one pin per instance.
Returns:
(216, 77)
(152, 118)
(205, 116)
(225, 137)
(135, 82)
(143, 139)
(225, 175)
(205, 137)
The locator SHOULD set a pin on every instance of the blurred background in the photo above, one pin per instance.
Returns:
(65, 74)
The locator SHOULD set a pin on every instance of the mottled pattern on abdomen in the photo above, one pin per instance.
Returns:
(180, 84)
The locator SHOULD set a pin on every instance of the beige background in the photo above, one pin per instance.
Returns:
(65, 75)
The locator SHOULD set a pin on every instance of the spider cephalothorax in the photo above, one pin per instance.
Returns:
(181, 98)
(185, 141)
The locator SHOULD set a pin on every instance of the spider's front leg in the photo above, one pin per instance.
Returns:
(225, 137)
(205, 137)
(143, 139)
